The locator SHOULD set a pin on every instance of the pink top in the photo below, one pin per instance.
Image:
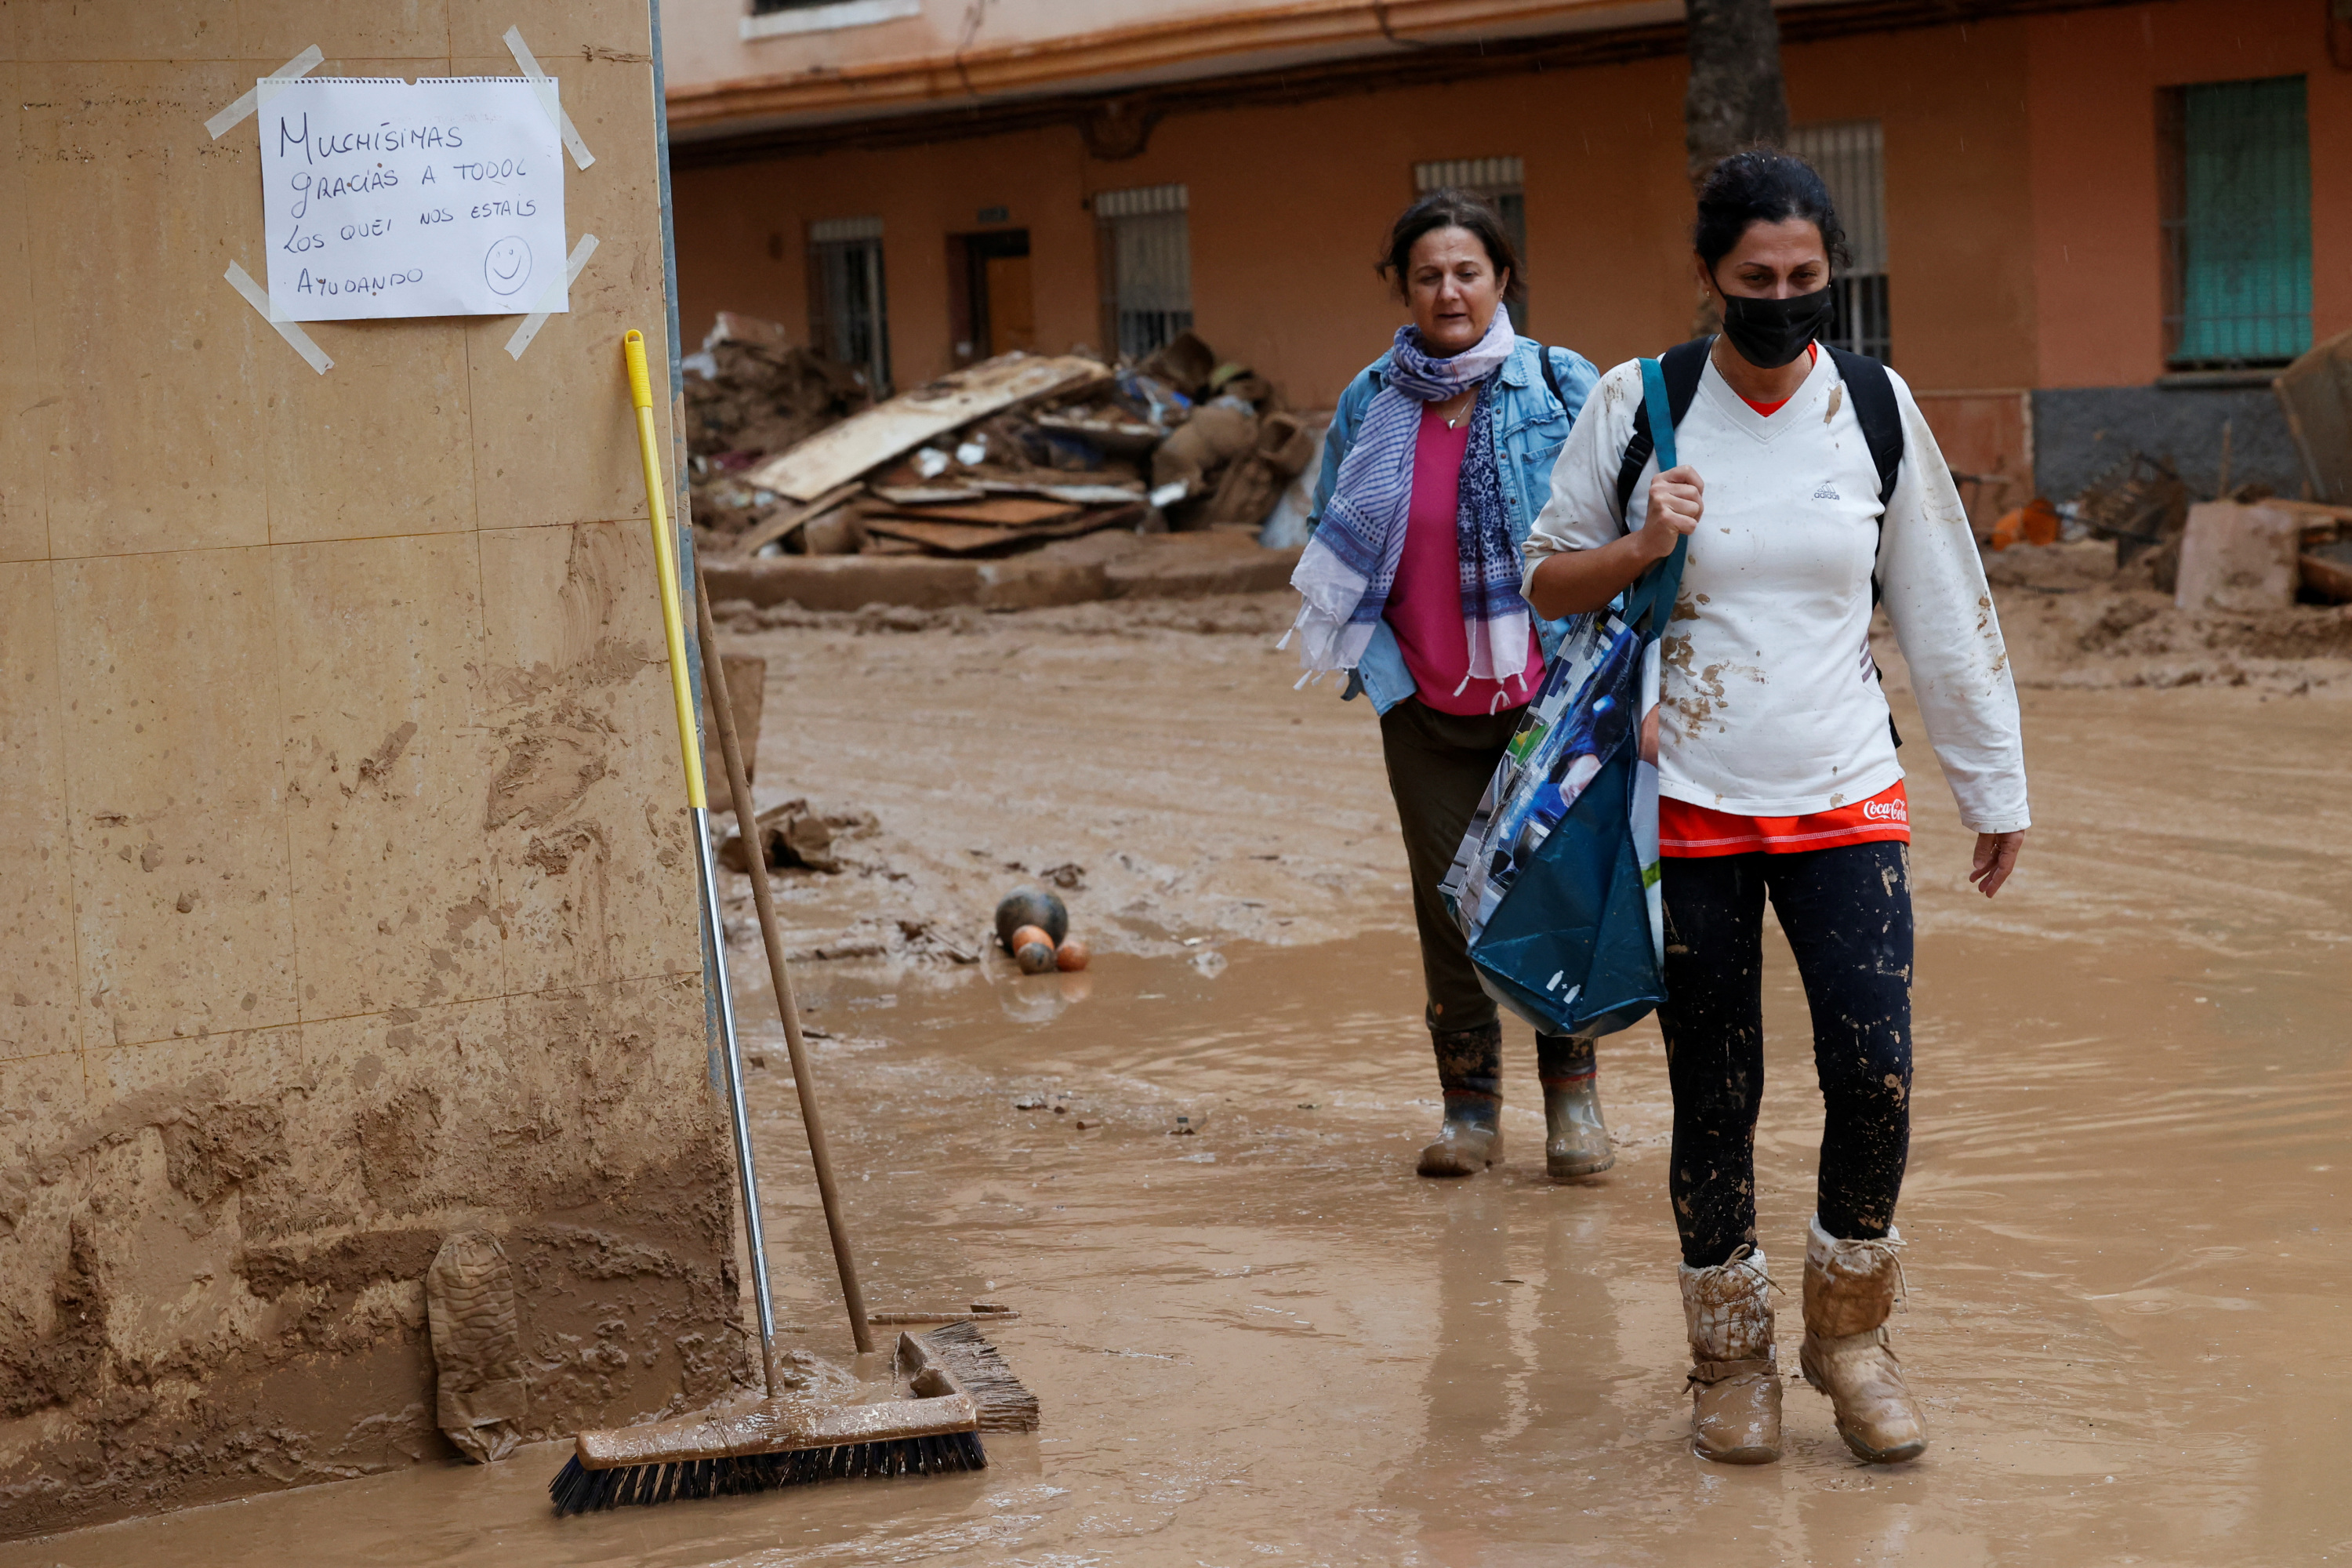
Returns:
(1424, 608)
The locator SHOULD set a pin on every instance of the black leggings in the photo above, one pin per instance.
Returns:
(1847, 915)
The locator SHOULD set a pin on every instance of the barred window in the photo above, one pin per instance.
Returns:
(849, 307)
(1147, 250)
(1502, 182)
(1850, 156)
(2236, 161)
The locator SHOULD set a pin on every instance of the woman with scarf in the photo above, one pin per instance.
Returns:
(1438, 458)
(1778, 776)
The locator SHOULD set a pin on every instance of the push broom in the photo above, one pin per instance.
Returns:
(788, 1437)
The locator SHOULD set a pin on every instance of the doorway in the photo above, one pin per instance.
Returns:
(991, 307)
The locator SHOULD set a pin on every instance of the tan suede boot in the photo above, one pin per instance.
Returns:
(1735, 1384)
(1850, 1288)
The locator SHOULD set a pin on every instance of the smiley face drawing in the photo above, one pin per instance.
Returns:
(507, 266)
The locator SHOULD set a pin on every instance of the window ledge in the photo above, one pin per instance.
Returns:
(827, 19)
(2193, 380)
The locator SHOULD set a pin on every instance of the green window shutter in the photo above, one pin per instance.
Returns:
(2245, 229)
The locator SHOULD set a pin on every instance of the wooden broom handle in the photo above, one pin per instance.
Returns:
(755, 859)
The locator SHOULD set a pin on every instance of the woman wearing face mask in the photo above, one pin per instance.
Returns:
(1438, 458)
(1779, 777)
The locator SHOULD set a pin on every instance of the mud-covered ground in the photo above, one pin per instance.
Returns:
(1267, 1340)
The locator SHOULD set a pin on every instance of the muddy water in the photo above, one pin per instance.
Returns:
(1266, 1339)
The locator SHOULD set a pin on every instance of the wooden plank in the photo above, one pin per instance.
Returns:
(941, 538)
(2316, 393)
(1000, 511)
(868, 439)
(1082, 495)
(749, 542)
(928, 495)
(971, 539)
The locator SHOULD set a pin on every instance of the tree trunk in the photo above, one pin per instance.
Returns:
(1736, 98)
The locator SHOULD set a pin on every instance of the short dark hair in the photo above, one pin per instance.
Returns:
(1762, 185)
(1449, 206)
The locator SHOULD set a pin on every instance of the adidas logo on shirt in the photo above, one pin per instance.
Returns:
(1827, 493)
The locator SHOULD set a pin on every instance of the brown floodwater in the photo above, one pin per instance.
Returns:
(1267, 1340)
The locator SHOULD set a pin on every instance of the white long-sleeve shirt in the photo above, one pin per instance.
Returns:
(1770, 704)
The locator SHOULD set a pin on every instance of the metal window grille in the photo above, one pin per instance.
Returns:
(1502, 182)
(2237, 223)
(1851, 157)
(1148, 241)
(849, 315)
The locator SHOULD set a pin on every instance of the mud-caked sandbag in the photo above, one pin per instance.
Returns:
(481, 1399)
(1219, 431)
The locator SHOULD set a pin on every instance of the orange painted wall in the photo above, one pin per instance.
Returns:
(2091, 87)
(1288, 205)
(2020, 193)
(730, 219)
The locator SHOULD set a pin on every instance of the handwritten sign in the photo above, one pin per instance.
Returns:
(383, 197)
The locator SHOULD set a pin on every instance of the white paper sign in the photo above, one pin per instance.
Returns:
(383, 197)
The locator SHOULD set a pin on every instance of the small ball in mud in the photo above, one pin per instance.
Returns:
(1028, 934)
(1031, 907)
(1071, 955)
(1035, 957)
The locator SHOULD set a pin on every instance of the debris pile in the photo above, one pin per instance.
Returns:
(748, 393)
(995, 459)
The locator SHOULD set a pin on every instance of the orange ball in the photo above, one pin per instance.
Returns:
(1071, 955)
(1028, 934)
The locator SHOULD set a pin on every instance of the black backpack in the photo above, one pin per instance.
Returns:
(1874, 407)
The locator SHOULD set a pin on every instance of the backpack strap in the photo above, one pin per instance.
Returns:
(1550, 375)
(1882, 431)
(1649, 603)
(1873, 405)
(1682, 367)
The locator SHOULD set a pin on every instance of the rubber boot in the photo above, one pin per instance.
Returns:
(1470, 1071)
(1576, 1140)
(1735, 1382)
(1850, 1288)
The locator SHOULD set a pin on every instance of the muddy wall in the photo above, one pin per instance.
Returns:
(345, 895)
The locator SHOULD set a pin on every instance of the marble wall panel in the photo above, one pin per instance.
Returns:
(393, 897)
(168, 675)
(559, 445)
(37, 1014)
(24, 421)
(585, 803)
(149, 354)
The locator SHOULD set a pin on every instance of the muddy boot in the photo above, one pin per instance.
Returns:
(1734, 1384)
(1850, 1286)
(1575, 1141)
(1470, 1071)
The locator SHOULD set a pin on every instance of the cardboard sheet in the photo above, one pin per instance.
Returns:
(383, 197)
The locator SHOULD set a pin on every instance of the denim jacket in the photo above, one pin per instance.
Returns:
(1530, 428)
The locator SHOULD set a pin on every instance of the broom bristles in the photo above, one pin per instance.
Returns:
(579, 1489)
(1005, 1403)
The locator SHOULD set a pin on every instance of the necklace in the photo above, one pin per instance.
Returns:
(1455, 422)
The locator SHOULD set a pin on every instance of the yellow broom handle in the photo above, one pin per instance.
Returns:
(641, 393)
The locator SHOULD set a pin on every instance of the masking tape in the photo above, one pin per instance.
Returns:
(303, 64)
(581, 156)
(291, 331)
(555, 294)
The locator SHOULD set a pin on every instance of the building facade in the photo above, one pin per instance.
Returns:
(2076, 228)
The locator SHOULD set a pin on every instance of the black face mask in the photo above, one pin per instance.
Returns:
(1768, 333)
